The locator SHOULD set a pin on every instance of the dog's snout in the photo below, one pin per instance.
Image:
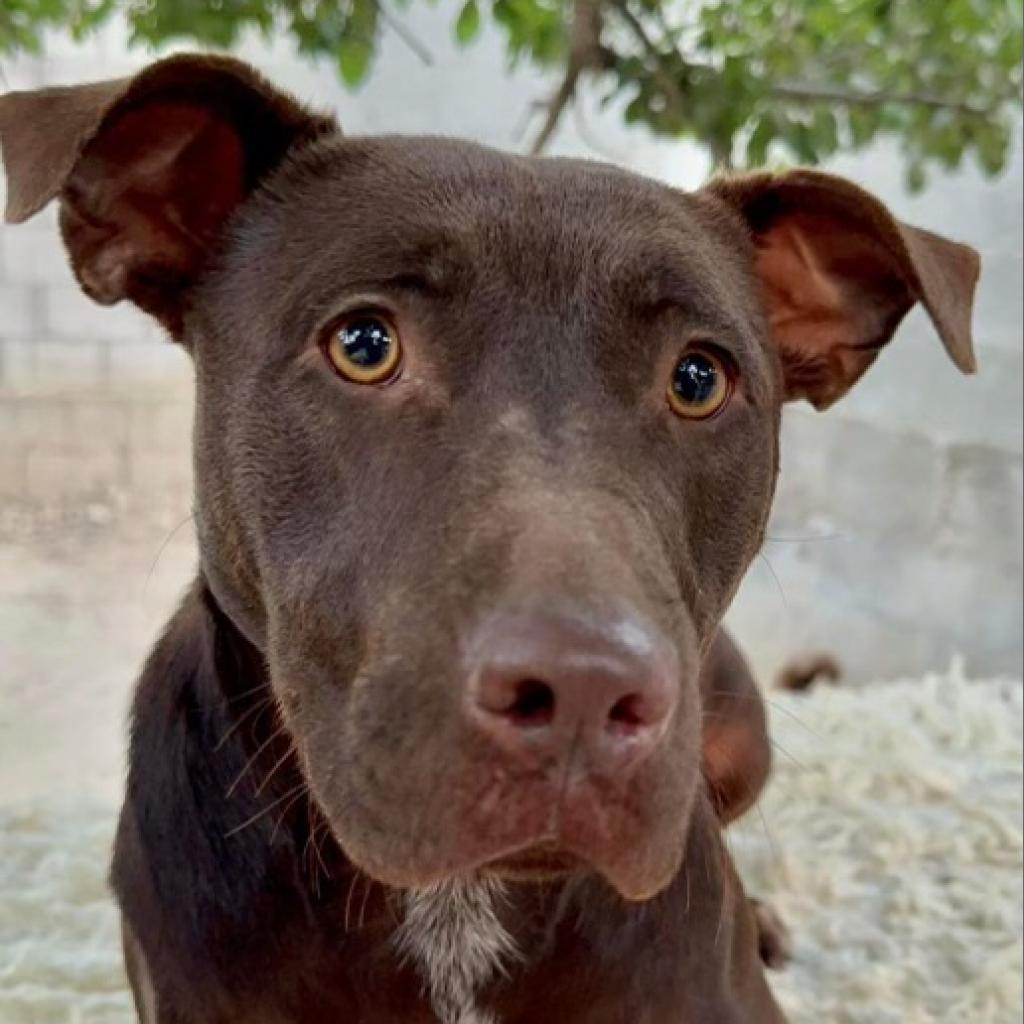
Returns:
(541, 685)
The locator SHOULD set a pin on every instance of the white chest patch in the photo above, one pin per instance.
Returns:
(452, 934)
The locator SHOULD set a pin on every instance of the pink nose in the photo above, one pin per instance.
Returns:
(542, 687)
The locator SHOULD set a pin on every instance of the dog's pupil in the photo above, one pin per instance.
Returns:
(366, 341)
(695, 380)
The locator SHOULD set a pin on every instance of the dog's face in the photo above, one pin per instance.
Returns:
(483, 446)
(498, 496)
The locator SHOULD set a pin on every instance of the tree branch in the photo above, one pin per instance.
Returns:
(417, 46)
(721, 155)
(556, 107)
(795, 91)
(669, 83)
(721, 149)
(585, 54)
(878, 98)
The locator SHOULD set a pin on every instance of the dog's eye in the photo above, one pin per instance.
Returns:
(364, 348)
(700, 385)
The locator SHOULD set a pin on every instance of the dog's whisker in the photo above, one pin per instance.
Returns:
(289, 753)
(722, 898)
(312, 855)
(775, 576)
(163, 547)
(303, 789)
(776, 706)
(752, 788)
(785, 753)
(318, 841)
(263, 687)
(367, 890)
(393, 900)
(260, 706)
(348, 899)
(746, 698)
(319, 831)
(254, 757)
(772, 538)
(300, 788)
(223, 703)
(773, 843)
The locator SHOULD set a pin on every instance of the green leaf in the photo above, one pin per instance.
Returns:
(763, 136)
(863, 126)
(916, 177)
(467, 28)
(636, 111)
(354, 57)
(993, 149)
(824, 132)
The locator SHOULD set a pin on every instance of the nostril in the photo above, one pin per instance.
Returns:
(534, 704)
(627, 714)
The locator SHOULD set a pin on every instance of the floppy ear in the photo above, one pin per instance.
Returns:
(148, 169)
(839, 273)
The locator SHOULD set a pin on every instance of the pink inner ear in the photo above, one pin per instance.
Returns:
(149, 196)
(797, 285)
(817, 280)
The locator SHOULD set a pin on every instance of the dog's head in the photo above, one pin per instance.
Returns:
(483, 444)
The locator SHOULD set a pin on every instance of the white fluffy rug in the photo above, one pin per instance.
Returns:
(890, 842)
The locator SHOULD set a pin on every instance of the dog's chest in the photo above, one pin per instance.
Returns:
(455, 939)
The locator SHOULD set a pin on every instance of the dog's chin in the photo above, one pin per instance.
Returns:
(547, 864)
(636, 874)
(638, 855)
(631, 836)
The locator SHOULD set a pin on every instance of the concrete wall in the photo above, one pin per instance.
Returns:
(897, 535)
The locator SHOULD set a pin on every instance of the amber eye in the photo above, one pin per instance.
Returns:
(700, 385)
(364, 348)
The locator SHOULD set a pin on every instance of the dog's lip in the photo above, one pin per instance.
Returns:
(536, 827)
(545, 859)
(578, 827)
(585, 825)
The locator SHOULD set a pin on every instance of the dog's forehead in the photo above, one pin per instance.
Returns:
(359, 213)
(406, 193)
(462, 174)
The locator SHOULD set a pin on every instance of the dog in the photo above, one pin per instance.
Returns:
(447, 728)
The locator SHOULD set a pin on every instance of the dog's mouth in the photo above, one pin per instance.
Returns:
(533, 831)
(546, 861)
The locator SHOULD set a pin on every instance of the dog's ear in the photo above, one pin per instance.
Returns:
(839, 273)
(148, 169)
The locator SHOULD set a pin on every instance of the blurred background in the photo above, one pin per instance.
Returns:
(896, 542)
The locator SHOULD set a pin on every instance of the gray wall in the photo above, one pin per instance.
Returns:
(896, 540)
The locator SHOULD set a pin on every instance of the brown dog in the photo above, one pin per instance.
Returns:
(483, 448)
